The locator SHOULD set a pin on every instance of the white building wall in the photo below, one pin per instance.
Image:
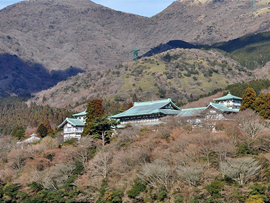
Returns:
(71, 131)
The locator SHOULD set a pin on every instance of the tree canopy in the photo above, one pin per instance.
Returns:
(94, 109)
(248, 99)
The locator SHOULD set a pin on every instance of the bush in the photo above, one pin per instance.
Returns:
(136, 189)
(215, 187)
(240, 170)
(254, 199)
(72, 141)
(12, 190)
(117, 196)
(162, 195)
(35, 186)
(147, 199)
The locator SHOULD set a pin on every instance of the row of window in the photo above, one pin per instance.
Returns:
(139, 120)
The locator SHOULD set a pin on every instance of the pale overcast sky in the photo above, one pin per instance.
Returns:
(141, 7)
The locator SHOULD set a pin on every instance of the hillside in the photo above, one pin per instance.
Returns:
(181, 74)
(165, 163)
(58, 35)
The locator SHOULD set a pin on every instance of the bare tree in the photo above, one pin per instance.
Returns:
(84, 150)
(7, 143)
(54, 177)
(251, 123)
(190, 174)
(158, 173)
(100, 165)
(206, 146)
(16, 159)
(49, 143)
(241, 170)
(223, 147)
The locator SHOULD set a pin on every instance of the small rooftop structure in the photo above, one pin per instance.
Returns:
(33, 138)
(229, 96)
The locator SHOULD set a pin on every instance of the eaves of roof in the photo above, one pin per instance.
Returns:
(73, 121)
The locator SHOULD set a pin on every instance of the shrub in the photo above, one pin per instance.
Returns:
(241, 170)
(72, 141)
(12, 190)
(190, 174)
(254, 199)
(215, 187)
(136, 189)
(117, 196)
(162, 195)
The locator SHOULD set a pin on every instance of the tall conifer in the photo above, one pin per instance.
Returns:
(48, 126)
(248, 99)
(267, 107)
(94, 109)
(260, 104)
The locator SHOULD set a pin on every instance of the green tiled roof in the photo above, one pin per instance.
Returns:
(227, 97)
(148, 108)
(80, 114)
(73, 121)
(222, 107)
(191, 112)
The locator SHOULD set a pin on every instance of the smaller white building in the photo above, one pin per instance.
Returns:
(33, 138)
(73, 127)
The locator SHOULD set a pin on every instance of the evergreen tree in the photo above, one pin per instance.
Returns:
(248, 99)
(102, 128)
(49, 128)
(260, 104)
(267, 107)
(94, 109)
(18, 132)
(42, 130)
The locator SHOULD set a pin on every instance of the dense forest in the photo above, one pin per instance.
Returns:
(15, 112)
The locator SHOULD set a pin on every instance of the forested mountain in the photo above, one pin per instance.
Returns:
(81, 35)
(180, 74)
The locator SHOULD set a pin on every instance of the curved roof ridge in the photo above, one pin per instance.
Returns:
(227, 97)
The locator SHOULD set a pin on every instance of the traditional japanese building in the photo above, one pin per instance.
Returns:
(147, 112)
(73, 127)
(230, 101)
(217, 110)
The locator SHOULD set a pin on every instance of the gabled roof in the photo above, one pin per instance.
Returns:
(228, 97)
(222, 107)
(191, 112)
(73, 121)
(148, 108)
(80, 114)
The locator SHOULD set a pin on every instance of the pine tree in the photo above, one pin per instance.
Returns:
(248, 99)
(102, 128)
(260, 104)
(18, 132)
(49, 128)
(42, 130)
(94, 109)
(267, 107)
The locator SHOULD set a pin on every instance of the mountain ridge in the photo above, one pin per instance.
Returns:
(63, 34)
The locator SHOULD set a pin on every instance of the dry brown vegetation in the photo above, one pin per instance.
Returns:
(169, 163)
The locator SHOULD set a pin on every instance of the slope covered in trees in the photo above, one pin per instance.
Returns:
(168, 163)
(180, 74)
(15, 112)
